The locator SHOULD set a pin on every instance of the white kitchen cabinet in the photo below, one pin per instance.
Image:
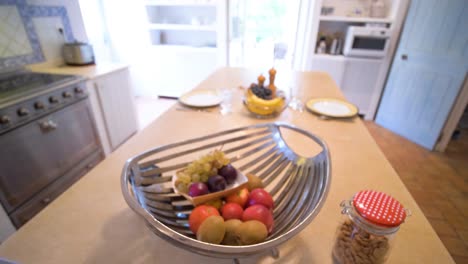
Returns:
(113, 105)
(333, 65)
(359, 81)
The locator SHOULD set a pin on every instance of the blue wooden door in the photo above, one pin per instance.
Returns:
(428, 70)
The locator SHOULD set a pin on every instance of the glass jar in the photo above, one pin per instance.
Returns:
(366, 232)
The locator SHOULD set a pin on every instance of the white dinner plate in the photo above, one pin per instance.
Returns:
(201, 98)
(331, 107)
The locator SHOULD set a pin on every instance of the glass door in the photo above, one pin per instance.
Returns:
(262, 33)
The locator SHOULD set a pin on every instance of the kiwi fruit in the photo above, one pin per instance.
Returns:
(254, 182)
(212, 230)
(251, 232)
(230, 235)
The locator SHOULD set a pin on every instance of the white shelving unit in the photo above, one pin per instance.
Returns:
(188, 39)
(181, 27)
(360, 79)
(351, 19)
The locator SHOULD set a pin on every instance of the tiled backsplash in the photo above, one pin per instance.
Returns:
(50, 38)
(49, 24)
(13, 37)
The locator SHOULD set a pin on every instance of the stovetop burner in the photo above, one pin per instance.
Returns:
(17, 85)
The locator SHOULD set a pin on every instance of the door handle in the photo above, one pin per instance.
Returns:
(47, 126)
(404, 57)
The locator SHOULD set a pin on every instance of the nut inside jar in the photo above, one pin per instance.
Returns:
(355, 245)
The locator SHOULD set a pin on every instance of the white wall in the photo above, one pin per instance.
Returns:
(47, 29)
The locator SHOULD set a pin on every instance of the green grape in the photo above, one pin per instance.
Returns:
(195, 177)
(201, 169)
(182, 187)
(204, 178)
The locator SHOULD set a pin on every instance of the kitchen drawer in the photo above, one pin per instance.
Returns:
(27, 211)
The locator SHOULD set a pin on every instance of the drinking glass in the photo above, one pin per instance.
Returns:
(295, 94)
(226, 103)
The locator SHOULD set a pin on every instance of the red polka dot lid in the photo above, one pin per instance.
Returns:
(379, 208)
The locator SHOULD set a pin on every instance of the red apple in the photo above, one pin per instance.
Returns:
(239, 197)
(232, 211)
(260, 213)
(200, 214)
(260, 196)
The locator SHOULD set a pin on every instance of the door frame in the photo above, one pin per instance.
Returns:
(454, 117)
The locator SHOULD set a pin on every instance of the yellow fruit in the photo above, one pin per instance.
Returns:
(268, 103)
(251, 232)
(254, 182)
(261, 106)
(217, 203)
(212, 230)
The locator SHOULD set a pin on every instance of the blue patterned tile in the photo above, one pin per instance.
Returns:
(27, 12)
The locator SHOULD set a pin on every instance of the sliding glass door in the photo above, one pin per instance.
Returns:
(262, 33)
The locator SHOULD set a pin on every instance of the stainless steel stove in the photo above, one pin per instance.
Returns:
(25, 96)
(48, 139)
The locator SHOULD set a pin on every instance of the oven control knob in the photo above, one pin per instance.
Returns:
(39, 105)
(53, 99)
(78, 90)
(66, 94)
(23, 111)
(4, 119)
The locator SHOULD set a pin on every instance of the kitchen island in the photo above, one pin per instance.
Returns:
(91, 223)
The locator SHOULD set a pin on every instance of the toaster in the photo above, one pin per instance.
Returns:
(78, 53)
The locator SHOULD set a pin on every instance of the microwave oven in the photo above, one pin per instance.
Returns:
(371, 42)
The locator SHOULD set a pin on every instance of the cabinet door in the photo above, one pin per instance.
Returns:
(116, 100)
(333, 65)
(359, 80)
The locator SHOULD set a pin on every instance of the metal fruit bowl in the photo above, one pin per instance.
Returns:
(299, 185)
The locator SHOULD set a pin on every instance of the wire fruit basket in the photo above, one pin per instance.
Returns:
(299, 185)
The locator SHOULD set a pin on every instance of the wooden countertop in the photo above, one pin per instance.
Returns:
(88, 71)
(91, 223)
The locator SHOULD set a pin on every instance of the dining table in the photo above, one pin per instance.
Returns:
(92, 223)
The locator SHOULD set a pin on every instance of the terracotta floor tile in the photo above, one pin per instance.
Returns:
(442, 228)
(437, 181)
(427, 195)
(460, 259)
(463, 234)
(455, 246)
(458, 221)
(430, 211)
(461, 205)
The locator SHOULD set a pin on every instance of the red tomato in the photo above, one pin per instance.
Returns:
(260, 213)
(260, 196)
(232, 211)
(199, 214)
(240, 197)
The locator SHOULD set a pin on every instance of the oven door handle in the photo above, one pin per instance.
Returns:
(48, 125)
